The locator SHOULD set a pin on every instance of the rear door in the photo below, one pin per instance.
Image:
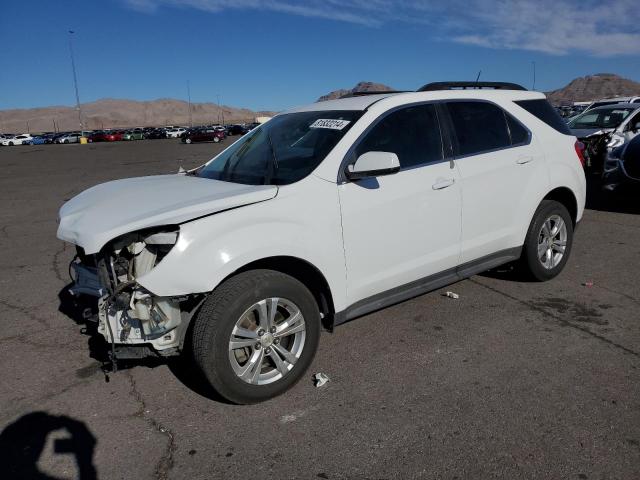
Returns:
(498, 166)
(403, 227)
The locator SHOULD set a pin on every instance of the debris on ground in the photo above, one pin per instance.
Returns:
(588, 283)
(320, 379)
(453, 295)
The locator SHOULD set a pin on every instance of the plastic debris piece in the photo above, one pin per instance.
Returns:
(588, 283)
(320, 379)
(453, 295)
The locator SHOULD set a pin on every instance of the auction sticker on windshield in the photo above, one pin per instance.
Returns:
(330, 123)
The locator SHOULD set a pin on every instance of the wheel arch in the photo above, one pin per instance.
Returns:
(567, 198)
(303, 271)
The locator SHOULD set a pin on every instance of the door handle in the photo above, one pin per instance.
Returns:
(522, 159)
(443, 183)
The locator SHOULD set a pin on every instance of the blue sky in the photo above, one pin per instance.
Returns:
(272, 54)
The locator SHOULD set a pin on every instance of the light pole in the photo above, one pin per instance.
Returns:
(189, 95)
(75, 79)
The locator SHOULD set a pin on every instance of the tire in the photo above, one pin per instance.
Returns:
(537, 264)
(65, 141)
(11, 144)
(216, 140)
(233, 302)
(187, 140)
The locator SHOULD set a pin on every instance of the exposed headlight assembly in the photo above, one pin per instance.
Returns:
(135, 254)
(615, 141)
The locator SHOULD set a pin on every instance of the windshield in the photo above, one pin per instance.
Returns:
(282, 151)
(601, 118)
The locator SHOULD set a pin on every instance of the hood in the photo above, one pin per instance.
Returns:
(587, 132)
(111, 209)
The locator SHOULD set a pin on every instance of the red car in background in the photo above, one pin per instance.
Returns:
(203, 135)
(111, 136)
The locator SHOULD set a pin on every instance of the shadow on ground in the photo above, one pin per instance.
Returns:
(23, 442)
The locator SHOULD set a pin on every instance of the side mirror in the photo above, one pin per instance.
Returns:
(373, 164)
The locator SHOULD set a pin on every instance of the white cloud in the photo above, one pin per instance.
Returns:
(555, 27)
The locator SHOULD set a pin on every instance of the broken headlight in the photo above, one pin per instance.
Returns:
(135, 254)
(615, 141)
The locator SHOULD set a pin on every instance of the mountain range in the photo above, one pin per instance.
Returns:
(581, 89)
(116, 113)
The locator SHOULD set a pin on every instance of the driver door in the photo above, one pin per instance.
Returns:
(403, 227)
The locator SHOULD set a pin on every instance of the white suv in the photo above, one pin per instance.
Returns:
(323, 214)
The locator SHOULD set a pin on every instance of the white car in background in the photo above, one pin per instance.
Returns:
(17, 140)
(323, 214)
(175, 132)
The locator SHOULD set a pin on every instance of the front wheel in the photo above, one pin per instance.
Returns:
(548, 242)
(256, 335)
(216, 139)
(188, 140)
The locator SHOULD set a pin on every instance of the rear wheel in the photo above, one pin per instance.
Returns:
(548, 242)
(188, 140)
(216, 139)
(256, 335)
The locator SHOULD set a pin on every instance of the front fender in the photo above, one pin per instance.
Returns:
(210, 249)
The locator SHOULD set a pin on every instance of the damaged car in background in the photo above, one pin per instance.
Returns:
(622, 167)
(602, 129)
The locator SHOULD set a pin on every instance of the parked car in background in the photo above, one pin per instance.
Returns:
(135, 134)
(611, 101)
(622, 166)
(324, 214)
(36, 140)
(155, 134)
(105, 136)
(203, 135)
(17, 140)
(604, 128)
(71, 137)
(175, 132)
(236, 130)
(49, 137)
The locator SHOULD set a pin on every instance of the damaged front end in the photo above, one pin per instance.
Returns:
(133, 320)
(596, 148)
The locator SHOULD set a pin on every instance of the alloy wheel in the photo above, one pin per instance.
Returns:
(267, 341)
(552, 242)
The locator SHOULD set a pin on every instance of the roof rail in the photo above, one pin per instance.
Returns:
(372, 92)
(430, 87)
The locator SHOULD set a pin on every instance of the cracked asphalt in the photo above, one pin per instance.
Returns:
(512, 380)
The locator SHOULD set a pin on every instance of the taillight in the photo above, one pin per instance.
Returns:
(579, 146)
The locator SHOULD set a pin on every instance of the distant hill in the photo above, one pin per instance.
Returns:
(594, 87)
(360, 87)
(114, 113)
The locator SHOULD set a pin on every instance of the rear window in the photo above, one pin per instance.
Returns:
(545, 112)
(479, 127)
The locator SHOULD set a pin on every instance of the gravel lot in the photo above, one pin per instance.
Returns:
(512, 380)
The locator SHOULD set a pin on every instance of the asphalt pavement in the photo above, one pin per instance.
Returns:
(512, 380)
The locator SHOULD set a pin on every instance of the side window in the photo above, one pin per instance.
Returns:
(479, 126)
(412, 133)
(518, 133)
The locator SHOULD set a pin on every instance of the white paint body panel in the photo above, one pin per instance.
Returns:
(302, 221)
(398, 229)
(108, 210)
